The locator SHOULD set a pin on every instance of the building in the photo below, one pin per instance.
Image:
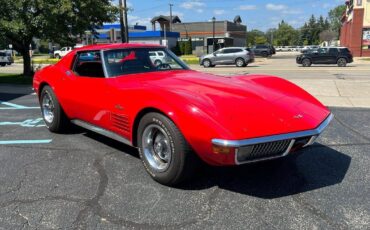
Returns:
(111, 33)
(206, 35)
(355, 30)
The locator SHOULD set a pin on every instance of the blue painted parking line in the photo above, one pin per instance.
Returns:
(14, 106)
(39, 122)
(12, 142)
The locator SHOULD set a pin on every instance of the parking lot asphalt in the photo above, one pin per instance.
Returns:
(82, 180)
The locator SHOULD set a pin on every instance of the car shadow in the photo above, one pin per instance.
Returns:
(110, 142)
(316, 167)
(326, 66)
(313, 168)
(233, 67)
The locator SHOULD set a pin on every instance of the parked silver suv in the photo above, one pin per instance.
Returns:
(238, 56)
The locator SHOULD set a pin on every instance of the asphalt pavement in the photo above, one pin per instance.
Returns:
(81, 180)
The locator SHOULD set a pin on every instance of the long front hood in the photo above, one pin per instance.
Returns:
(247, 106)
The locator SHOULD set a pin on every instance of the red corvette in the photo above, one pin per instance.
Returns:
(173, 115)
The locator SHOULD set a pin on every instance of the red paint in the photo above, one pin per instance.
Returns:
(203, 106)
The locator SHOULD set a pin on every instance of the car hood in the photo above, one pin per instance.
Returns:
(246, 106)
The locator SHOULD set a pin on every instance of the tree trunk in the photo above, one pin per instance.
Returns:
(27, 68)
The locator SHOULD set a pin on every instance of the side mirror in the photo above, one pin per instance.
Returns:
(214, 54)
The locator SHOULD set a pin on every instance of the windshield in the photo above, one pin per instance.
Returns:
(141, 60)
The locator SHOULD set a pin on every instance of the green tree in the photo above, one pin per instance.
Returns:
(182, 47)
(260, 40)
(252, 35)
(188, 47)
(59, 21)
(335, 16)
(286, 35)
(176, 50)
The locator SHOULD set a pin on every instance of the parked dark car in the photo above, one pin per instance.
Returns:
(263, 50)
(329, 55)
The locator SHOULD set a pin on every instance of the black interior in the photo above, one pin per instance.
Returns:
(90, 69)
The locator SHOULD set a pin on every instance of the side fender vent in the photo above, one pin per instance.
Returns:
(120, 122)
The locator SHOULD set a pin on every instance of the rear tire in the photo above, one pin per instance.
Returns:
(57, 56)
(165, 153)
(306, 62)
(239, 62)
(207, 63)
(3, 64)
(342, 62)
(55, 119)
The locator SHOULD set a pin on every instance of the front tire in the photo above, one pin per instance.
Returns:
(207, 63)
(342, 62)
(54, 117)
(165, 153)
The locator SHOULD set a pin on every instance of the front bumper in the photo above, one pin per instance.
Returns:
(271, 147)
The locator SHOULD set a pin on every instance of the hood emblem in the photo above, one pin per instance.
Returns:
(299, 116)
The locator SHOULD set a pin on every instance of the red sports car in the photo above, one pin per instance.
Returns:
(176, 116)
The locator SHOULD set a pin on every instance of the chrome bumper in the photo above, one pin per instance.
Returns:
(269, 147)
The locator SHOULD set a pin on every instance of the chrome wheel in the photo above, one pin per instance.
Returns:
(206, 63)
(239, 62)
(157, 147)
(48, 108)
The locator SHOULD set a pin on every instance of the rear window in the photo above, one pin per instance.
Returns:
(333, 51)
(261, 47)
(344, 51)
(2, 54)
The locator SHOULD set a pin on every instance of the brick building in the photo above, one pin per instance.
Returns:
(355, 31)
(226, 33)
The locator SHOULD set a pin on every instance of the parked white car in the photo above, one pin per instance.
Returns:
(62, 52)
(158, 57)
(5, 58)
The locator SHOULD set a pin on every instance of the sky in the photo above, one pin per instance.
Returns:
(256, 14)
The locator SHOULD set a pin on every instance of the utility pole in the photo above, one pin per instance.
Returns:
(171, 5)
(126, 21)
(213, 33)
(123, 36)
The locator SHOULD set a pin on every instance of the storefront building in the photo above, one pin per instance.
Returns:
(355, 31)
(206, 35)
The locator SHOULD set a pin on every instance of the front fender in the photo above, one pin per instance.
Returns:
(197, 126)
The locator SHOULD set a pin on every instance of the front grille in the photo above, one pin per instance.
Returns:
(263, 150)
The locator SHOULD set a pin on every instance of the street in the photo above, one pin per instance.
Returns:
(81, 180)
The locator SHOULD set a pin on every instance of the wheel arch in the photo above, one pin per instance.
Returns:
(208, 60)
(138, 118)
(346, 58)
(41, 87)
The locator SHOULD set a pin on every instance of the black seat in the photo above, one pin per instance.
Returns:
(90, 69)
